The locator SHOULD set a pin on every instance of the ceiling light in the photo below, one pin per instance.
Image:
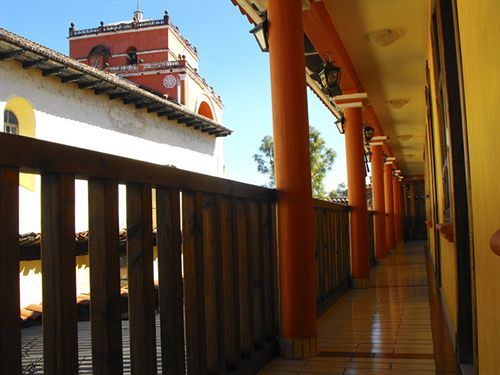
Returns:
(384, 37)
(399, 103)
(405, 137)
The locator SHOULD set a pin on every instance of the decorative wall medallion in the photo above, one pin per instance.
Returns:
(169, 81)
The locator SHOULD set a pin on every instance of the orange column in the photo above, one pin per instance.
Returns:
(389, 206)
(293, 180)
(356, 194)
(395, 196)
(377, 164)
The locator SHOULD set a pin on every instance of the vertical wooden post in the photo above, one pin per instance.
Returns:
(293, 180)
(60, 347)
(377, 163)
(389, 206)
(141, 299)
(358, 214)
(10, 327)
(104, 254)
(194, 284)
(170, 280)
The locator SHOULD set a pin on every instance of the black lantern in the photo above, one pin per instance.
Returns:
(368, 133)
(340, 124)
(260, 32)
(328, 76)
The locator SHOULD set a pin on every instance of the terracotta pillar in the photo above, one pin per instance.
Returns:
(395, 196)
(293, 180)
(377, 164)
(356, 194)
(389, 206)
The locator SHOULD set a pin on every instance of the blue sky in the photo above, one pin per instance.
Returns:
(230, 60)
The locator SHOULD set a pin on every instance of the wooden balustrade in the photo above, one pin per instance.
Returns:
(217, 264)
(332, 252)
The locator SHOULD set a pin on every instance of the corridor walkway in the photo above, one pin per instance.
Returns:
(382, 330)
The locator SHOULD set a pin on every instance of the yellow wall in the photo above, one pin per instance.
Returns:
(26, 117)
(448, 252)
(479, 24)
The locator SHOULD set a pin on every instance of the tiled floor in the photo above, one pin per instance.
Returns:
(385, 329)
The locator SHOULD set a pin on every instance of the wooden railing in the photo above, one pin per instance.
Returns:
(216, 263)
(332, 252)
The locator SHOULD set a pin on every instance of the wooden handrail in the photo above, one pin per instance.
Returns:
(35, 156)
(318, 203)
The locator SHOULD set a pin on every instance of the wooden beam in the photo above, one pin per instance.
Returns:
(103, 90)
(60, 348)
(10, 339)
(132, 99)
(143, 105)
(53, 157)
(155, 107)
(72, 78)
(11, 54)
(119, 95)
(166, 112)
(141, 299)
(176, 116)
(34, 63)
(170, 280)
(89, 85)
(104, 254)
(53, 71)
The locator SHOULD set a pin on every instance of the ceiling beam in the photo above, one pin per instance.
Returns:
(53, 71)
(72, 78)
(11, 54)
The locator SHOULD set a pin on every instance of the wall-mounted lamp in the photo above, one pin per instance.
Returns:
(260, 32)
(340, 123)
(328, 76)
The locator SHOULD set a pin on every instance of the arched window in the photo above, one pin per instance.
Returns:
(132, 55)
(10, 122)
(205, 110)
(99, 56)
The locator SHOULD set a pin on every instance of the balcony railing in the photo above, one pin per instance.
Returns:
(217, 298)
(146, 67)
(118, 27)
(332, 252)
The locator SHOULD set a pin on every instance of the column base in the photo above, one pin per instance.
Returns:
(301, 348)
(360, 283)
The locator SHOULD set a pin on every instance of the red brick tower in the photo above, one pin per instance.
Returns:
(151, 53)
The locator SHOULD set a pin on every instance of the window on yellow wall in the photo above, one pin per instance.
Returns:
(19, 119)
(10, 122)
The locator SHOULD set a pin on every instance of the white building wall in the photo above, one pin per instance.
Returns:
(68, 115)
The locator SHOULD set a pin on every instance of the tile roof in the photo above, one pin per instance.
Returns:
(52, 63)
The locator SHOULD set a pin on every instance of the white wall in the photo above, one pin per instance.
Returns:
(68, 115)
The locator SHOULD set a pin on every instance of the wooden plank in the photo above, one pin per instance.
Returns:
(214, 298)
(60, 347)
(275, 265)
(10, 327)
(230, 282)
(170, 280)
(194, 288)
(267, 270)
(254, 225)
(104, 254)
(141, 298)
(53, 157)
(246, 307)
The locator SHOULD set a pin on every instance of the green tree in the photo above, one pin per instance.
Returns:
(340, 192)
(322, 159)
